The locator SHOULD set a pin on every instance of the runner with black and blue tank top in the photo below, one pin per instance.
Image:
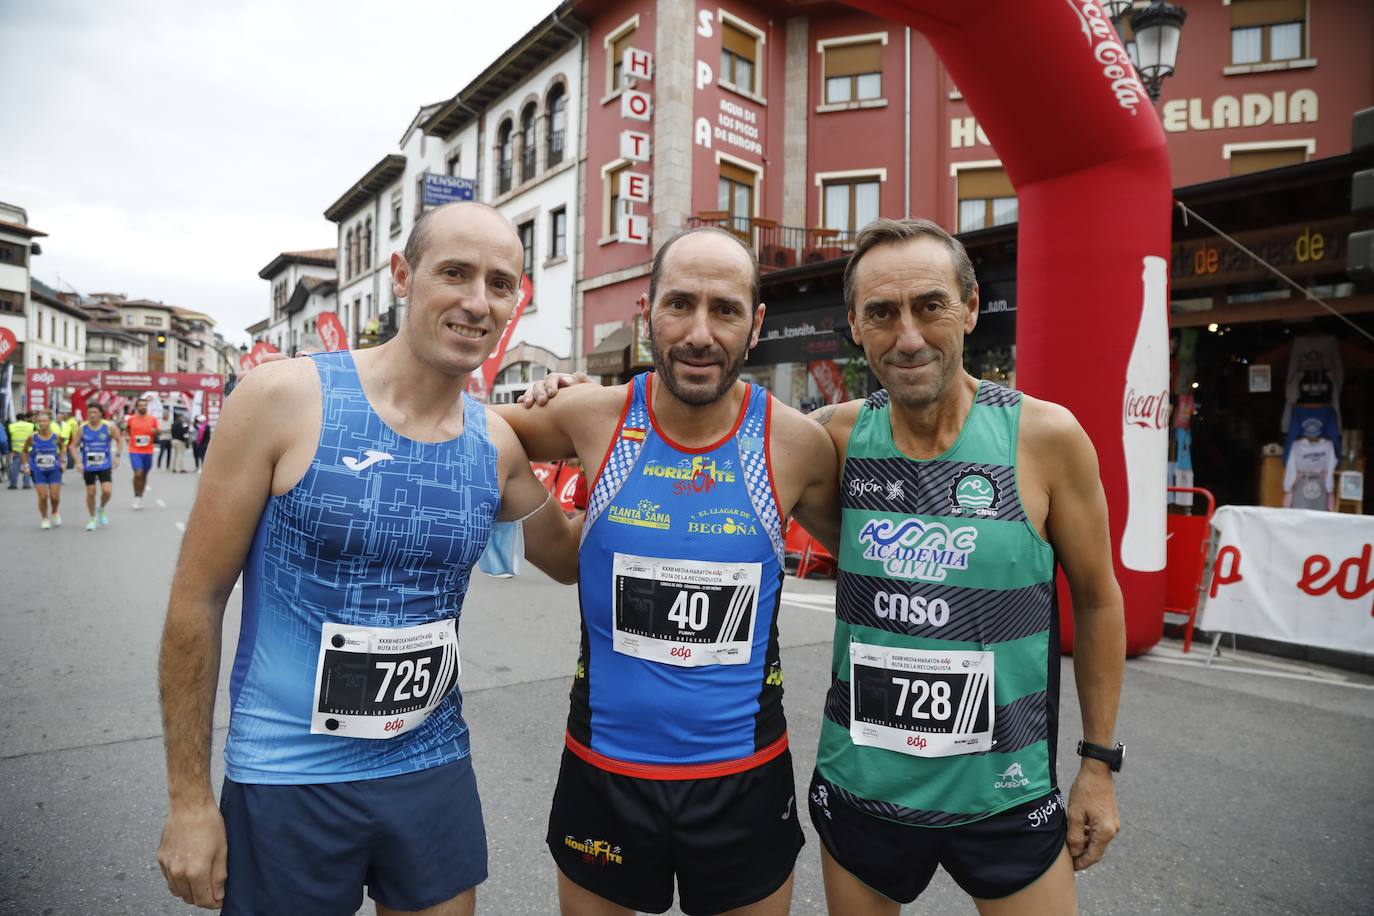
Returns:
(97, 442)
(677, 697)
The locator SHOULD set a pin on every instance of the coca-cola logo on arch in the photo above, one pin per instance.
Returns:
(1146, 410)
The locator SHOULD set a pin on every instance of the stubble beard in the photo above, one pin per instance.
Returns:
(922, 395)
(695, 395)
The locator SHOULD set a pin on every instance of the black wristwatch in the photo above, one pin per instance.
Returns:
(1111, 756)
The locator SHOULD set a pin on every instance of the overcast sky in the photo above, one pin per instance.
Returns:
(171, 149)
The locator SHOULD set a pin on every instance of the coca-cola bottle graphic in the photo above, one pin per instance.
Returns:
(1145, 424)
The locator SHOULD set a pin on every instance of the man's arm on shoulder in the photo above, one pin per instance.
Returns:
(806, 450)
(1077, 526)
(235, 485)
(552, 432)
(551, 538)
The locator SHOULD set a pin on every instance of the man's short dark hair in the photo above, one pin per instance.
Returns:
(894, 231)
(418, 240)
(657, 270)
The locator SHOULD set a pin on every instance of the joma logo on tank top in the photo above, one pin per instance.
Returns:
(917, 549)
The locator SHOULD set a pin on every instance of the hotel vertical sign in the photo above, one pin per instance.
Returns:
(635, 105)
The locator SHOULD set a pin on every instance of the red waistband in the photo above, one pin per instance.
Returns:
(676, 770)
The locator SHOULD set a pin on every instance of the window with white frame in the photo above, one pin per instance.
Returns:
(849, 204)
(739, 56)
(1268, 31)
(853, 72)
(986, 199)
(613, 218)
(616, 43)
(558, 233)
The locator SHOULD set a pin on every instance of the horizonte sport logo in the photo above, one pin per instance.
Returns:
(916, 549)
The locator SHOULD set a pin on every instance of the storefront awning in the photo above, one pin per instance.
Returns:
(608, 357)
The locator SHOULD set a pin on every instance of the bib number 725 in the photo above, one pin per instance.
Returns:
(412, 679)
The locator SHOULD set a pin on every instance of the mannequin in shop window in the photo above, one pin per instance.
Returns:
(1309, 481)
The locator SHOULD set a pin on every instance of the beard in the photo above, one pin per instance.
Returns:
(696, 394)
(922, 393)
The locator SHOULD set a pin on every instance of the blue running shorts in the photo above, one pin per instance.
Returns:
(43, 477)
(141, 462)
(415, 840)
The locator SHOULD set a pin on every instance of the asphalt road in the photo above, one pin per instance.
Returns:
(1248, 786)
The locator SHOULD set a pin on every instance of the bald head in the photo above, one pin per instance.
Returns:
(707, 239)
(417, 243)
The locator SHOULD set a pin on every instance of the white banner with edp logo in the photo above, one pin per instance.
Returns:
(1294, 575)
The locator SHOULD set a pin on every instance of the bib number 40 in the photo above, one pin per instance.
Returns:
(690, 610)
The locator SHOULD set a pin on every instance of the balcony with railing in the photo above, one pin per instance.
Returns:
(555, 147)
(503, 176)
(779, 247)
(527, 163)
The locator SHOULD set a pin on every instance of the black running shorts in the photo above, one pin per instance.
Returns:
(730, 840)
(991, 858)
(93, 476)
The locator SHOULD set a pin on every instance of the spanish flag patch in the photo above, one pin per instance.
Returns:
(632, 432)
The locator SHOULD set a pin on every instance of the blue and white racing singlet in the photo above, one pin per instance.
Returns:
(680, 577)
(347, 661)
(44, 454)
(95, 447)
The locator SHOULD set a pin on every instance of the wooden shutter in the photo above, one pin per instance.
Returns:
(734, 173)
(1243, 162)
(852, 60)
(976, 184)
(1245, 13)
(738, 42)
(618, 48)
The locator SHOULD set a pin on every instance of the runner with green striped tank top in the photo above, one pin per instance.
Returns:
(943, 701)
(959, 497)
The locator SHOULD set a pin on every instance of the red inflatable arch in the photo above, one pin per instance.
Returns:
(1078, 136)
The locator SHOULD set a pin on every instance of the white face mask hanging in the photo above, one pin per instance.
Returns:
(506, 546)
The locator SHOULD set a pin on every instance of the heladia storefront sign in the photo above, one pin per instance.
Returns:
(1293, 575)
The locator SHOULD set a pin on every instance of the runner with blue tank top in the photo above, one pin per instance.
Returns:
(43, 462)
(676, 767)
(939, 735)
(98, 445)
(353, 493)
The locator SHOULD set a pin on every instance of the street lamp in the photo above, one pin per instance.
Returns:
(1157, 29)
(1115, 9)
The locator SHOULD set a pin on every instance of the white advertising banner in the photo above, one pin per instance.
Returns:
(1293, 575)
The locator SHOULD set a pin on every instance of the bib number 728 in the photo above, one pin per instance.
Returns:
(919, 691)
(412, 678)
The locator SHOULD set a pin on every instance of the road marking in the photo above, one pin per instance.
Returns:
(824, 603)
(181, 526)
(1260, 672)
(160, 504)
